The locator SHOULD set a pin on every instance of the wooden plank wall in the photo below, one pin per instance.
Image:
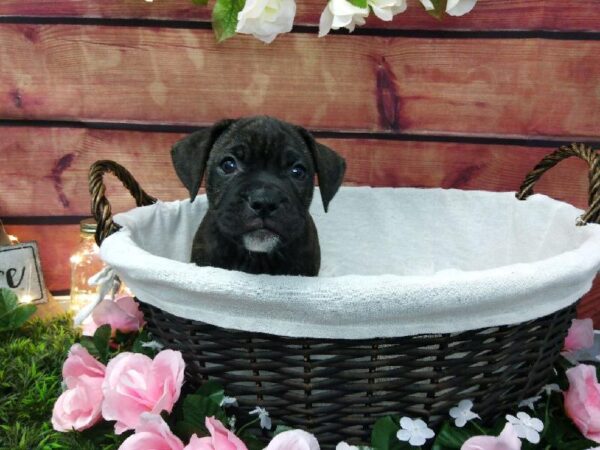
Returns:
(470, 102)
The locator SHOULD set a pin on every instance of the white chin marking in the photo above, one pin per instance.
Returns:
(260, 241)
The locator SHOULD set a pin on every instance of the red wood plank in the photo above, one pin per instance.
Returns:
(566, 15)
(466, 86)
(44, 172)
(56, 244)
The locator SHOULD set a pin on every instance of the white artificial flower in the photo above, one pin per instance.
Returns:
(459, 7)
(341, 14)
(154, 345)
(526, 427)
(550, 388)
(344, 446)
(462, 413)
(265, 19)
(265, 420)
(529, 402)
(387, 9)
(415, 432)
(453, 7)
(232, 421)
(226, 402)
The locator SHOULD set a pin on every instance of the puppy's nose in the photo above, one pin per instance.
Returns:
(264, 202)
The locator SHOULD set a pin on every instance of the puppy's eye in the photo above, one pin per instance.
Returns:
(228, 165)
(298, 171)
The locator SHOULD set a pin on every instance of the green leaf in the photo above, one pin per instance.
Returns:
(224, 18)
(252, 442)
(102, 340)
(13, 315)
(383, 436)
(8, 301)
(213, 391)
(359, 3)
(87, 342)
(20, 315)
(451, 437)
(439, 9)
(197, 408)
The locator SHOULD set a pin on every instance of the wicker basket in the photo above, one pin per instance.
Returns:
(338, 388)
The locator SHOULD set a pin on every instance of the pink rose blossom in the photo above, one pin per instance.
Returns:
(122, 314)
(508, 440)
(582, 400)
(580, 336)
(152, 433)
(80, 407)
(293, 440)
(220, 438)
(80, 363)
(135, 384)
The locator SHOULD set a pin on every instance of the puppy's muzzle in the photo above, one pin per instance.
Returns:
(264, 202)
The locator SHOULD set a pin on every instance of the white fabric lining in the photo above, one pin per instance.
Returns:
(395, 262)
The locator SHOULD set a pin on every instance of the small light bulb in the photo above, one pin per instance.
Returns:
(76, 258)
(26, 298)
(13, 239)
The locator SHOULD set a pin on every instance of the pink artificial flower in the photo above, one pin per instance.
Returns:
(135, 384)
(80, 407)
(122, 314)
(220, 438)
(293, 440)
(582, 400)
(152, 433)
(508, 440)
(80, 363)
(580, 336)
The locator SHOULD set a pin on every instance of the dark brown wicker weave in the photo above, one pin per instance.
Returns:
(338, 388)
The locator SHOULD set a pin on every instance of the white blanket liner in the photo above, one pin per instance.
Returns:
(395, 262)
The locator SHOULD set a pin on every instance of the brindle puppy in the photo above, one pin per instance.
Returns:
(259, 185)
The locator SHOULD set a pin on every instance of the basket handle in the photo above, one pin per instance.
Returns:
(101, 209)
(581, 151)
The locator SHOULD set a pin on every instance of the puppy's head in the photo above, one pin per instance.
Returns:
(259, 178)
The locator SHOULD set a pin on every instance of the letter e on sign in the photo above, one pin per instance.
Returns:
(21, 272)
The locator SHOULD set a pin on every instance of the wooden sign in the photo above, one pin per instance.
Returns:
(20, 271)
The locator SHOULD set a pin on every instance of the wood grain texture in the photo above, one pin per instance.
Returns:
(526, 87)
(44, 170)
(56, 244)
(564, 15)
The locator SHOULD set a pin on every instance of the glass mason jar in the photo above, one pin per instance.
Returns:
(85, 262)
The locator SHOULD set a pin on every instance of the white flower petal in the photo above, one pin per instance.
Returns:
(532, 436)
(406, 423)
(537, 424)
(416, 440)
(459, 7)
(427, 4)
(403, 435)
(325, 22)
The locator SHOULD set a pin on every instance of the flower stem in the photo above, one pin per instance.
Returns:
(239, 432)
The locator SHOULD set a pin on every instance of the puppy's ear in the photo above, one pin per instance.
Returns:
(329, 165)
(190, 155)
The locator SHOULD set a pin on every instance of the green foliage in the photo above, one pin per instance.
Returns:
(359, 3)
(439, 9)
(13, 315)
(383, 436)
(30, 382)
(224, 18)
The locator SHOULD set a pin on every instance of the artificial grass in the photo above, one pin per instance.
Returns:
(31, 360)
